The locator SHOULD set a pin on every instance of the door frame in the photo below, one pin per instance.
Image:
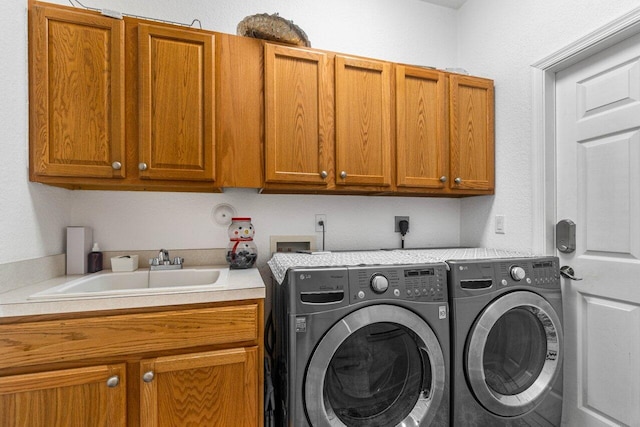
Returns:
(544, 130)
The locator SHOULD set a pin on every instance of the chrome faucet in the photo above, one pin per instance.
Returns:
(163, 261)
(163, 256)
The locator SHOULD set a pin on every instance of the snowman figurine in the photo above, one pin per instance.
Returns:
(241, 251)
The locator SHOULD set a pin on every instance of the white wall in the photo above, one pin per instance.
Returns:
(33, 216)
(127, 220)
(501, 39)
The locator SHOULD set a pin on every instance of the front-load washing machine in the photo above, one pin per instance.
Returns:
(507, 342)
(358, 344)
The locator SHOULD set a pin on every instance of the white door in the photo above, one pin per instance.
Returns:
(598, 187)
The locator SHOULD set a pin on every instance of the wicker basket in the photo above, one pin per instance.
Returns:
(274, 28)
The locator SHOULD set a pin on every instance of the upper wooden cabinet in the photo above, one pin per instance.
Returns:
(176, 103)
(298, 117)
(327, 121)
(239, 112)
(363, 122)
(138, 105)
(471, 135)
(76, 94)
(122, 103)
(444, 132)
(421, 129)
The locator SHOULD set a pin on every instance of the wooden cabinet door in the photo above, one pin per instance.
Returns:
(93, 396)
(76, 94)
(472, 133)
(216, 388)
(363, 122)
(298, 116)
(176, 103)
(421, 138)
(239, 112)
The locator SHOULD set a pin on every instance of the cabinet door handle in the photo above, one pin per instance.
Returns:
(116, 165)
(142, 166)
(148, 376)
(324, 174)
(458, 180)
(113, 381)
(343, 174)
(443, 178)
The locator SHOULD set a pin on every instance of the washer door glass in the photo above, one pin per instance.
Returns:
(380, 365)
(378, 373)
(513, 353)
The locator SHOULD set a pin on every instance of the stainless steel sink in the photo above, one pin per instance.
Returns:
(140, 282)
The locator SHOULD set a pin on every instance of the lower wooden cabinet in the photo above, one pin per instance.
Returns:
(178, 367)
(200, 389)
(91, 396)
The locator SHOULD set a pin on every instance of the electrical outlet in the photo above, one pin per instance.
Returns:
(397, 222)
(500, 226)
(321, 218)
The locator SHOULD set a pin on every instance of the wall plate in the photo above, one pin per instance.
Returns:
(292, 243)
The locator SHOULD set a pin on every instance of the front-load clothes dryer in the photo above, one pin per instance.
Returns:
(507, 342)
(358, 344)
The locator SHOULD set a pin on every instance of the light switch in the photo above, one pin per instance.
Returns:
(500, 226)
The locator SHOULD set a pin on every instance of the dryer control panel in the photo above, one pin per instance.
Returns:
(420, 283)
(536, 272)
(475, 277)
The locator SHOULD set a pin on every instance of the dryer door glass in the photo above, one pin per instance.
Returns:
(381, 365)
(514, 353)
(378, 373)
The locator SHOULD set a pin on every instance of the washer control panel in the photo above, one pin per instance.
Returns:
(517, 273)
(379, 283)
(422, 283)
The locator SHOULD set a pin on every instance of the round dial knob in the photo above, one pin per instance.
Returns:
(379, 283)
(517, 273)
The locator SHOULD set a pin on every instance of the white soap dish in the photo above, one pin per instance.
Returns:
(124, 263)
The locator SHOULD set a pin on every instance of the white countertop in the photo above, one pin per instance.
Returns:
(241, 284)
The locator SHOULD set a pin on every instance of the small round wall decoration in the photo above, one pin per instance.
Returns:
(222, 214)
